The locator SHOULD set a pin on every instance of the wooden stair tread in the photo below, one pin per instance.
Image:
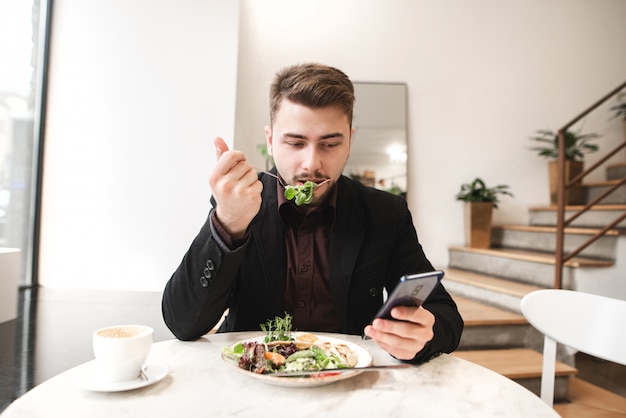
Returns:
(509, 287)
(601, 183)
(579, 207)
(588, 400)
(552, 229)
(616, 165)
(514, 363)
(475, 314)
(536, 257)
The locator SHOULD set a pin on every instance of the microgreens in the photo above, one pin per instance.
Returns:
(303, 194)
(277, 329)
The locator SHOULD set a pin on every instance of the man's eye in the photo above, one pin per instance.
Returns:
(295, 144)
(331, 144)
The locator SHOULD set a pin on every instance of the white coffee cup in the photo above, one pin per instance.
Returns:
(121, 351)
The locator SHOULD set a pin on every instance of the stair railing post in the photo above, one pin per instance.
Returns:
(563, 185)
(560, 212)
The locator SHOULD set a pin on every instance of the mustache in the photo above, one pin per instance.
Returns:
(316, 176)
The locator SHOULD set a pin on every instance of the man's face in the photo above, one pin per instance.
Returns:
(309, 144)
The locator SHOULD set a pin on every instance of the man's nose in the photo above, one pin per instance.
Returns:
(311, 161)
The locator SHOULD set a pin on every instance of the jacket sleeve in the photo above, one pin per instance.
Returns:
(198, 292)
(448, 325)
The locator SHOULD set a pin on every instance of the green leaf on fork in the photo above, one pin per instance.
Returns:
(303, 194)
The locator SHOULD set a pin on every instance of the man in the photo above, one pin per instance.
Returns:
(327, 263)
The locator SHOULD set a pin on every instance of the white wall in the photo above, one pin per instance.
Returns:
(482, 76)
(137, 90)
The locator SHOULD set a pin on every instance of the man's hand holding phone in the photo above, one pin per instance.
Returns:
(406, 334)
(403, 327)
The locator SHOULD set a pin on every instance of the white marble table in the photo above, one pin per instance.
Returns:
(199, 383)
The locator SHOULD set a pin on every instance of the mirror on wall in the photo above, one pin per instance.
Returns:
(378, 157)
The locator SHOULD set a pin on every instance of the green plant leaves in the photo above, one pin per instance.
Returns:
(477, 191)
(576, 144)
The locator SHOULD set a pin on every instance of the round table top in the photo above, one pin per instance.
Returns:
(200, 382)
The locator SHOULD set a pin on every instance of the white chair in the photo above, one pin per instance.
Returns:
(592, 324)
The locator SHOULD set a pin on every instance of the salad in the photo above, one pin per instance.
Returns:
(281, 350)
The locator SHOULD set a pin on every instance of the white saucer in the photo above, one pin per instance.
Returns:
(90, 381)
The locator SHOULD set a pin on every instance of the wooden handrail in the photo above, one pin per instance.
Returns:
(562, 187)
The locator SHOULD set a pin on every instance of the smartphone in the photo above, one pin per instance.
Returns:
(412, 290)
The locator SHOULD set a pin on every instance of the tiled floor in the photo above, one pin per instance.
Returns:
(54, 328)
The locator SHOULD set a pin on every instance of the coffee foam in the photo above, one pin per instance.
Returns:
(119, 332)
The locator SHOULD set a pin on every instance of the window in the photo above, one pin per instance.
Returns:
(23, 30)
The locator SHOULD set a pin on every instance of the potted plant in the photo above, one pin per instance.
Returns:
(269, 160)
(620, 109)
(480, 201)
(576, 146)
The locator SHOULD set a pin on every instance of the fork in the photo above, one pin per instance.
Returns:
(272, 175)
(281, 182)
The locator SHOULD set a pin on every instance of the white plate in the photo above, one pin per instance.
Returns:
(90, 381)
(364, 360)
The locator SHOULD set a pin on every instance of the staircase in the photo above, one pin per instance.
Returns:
(488, 284)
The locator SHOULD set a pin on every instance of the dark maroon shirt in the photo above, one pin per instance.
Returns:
(307, 238)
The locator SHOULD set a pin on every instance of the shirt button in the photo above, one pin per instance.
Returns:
(301, 304)
(304, 268)
(204, 282)
(373, 291)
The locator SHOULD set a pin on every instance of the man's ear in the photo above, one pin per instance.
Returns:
(268, 140)
(352, 130)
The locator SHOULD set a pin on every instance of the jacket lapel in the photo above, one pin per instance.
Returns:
(269, 243)
(347, 238)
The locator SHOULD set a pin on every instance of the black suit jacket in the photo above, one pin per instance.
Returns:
(373, 244)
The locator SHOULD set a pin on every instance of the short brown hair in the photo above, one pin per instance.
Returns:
(313, 85)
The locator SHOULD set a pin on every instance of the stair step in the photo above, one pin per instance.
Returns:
(596, 208)
(535, 257)
(588, 400)
(514, 363)
(490, 290)
(603, 183)
(594, 190)
(531, 267)
(495, 284)
(543, 239)
(552, 230)
(597, 217)
(616, 171)
(489, 327)
(479, 314)
(522, 365)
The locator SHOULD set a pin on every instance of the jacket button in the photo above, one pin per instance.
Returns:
(210, 265)
(207, 273)
(204, 282)
(373, 291)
